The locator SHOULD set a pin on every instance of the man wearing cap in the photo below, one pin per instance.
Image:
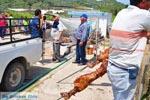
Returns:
(56, 33)
(81, 35)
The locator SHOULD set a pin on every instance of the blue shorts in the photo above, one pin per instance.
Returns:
(123, 87)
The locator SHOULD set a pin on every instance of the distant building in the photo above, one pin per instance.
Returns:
(43, 11)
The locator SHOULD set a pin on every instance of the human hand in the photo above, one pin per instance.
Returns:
(58, 39)
(81, 43)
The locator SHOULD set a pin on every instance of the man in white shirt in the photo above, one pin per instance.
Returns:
(128, 39)
(56, 33)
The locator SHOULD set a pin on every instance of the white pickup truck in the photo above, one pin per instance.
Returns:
(16, 57)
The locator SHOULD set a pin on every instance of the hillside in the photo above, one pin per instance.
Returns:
(44, 4)
(103, 5)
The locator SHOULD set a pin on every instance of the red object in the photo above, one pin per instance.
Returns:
(94, 48)
(3, 22)
(5, 15)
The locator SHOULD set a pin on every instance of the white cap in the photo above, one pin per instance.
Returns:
(56, 15)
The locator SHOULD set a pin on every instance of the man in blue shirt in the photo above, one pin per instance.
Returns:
(36, 28)
(81, 36)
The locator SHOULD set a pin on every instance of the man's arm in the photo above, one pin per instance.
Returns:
(41, 23)
(60, 27)
(48, 22)
(84, 35)
(60, 34)
(37, 23)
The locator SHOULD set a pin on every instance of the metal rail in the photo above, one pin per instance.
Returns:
(10, 26)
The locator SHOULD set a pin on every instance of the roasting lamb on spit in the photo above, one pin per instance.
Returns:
(104, 55)
(83, 81)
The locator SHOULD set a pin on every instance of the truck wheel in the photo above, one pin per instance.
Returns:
(13, 77)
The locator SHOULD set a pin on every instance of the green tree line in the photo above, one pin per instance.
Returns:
(105, 5)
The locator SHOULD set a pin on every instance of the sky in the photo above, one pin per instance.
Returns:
(124, 1)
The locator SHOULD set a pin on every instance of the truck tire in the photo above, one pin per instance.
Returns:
(13, 77)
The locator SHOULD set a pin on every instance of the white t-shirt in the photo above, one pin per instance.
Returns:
(55, 33)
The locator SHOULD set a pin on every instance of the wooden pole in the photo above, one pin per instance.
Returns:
(141, 73)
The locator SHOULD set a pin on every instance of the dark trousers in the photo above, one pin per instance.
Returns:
(56, 51)
(80, 52)
(2, 32)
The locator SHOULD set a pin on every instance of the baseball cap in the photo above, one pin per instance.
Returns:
(56, 15)
(84, 15)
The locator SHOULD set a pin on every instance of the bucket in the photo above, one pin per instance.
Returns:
(89, 49)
